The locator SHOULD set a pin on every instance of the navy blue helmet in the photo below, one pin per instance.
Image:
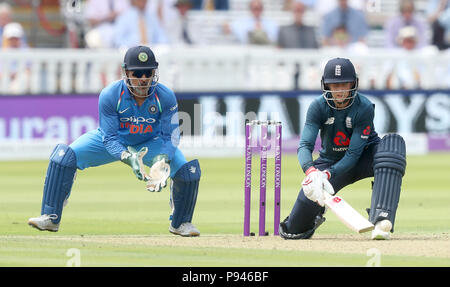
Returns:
(339, 70)
(141, 60)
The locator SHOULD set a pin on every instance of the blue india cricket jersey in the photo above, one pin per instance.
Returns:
(123, 123)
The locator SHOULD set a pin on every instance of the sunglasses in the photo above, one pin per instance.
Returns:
(140, 73)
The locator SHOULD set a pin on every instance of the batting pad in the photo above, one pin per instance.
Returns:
(389, 168)
(184, 192)
(58, 181)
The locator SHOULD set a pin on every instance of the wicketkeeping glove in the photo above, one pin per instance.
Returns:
(315, 184)
(159, 173)
(134, 158)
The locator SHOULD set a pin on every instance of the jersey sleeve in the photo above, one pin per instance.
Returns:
(309, 136)
(358, 141)
(109, 124)
(169, 124)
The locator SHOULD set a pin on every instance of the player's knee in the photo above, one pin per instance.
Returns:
(63, 155)
(391, 153)
(189, 172)
(177, 162)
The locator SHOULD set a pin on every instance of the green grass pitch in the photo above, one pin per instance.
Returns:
(111, 220)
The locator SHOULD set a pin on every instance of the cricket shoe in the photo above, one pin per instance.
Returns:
(382, 230)
(44, 222)
(186, 229)
(304, 235)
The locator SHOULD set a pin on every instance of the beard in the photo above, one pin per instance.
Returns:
(141, 91)
(138, 90)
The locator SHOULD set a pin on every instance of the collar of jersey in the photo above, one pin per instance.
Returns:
(128, 97)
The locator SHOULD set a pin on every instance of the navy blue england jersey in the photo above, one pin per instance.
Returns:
(344, 133)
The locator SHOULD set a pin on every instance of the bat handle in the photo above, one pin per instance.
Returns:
(328, 190)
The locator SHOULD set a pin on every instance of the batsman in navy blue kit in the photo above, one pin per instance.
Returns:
(138, 125)
(351, 150)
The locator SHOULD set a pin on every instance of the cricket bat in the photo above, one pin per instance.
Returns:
(347, 214)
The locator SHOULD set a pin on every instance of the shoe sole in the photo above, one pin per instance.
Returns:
(34, 225)
(193, 234)
(380, 236)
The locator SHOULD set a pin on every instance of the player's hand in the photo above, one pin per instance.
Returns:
(315, 184)
(159, 173)
(134, 158)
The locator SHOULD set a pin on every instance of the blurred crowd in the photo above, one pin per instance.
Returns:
(341, 24)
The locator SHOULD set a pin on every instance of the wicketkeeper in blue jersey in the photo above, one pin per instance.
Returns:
(351, 150)
(138, 125)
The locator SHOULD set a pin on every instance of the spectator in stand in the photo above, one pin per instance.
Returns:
(138, 26)
(340, 44)
(352, 19)
(178, 30)
(13, 35)
(255, 30)
(438, 13)
(340, 41)
(287, 5)
(340, 37)
(165, 10)
(101, 15)
(210, 4)
(406, 18)
(173, 18)
(322, 7)
(407, 73)
(297, 35)
(5, 18)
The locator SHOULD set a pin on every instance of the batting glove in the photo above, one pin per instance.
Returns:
(315, 184)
